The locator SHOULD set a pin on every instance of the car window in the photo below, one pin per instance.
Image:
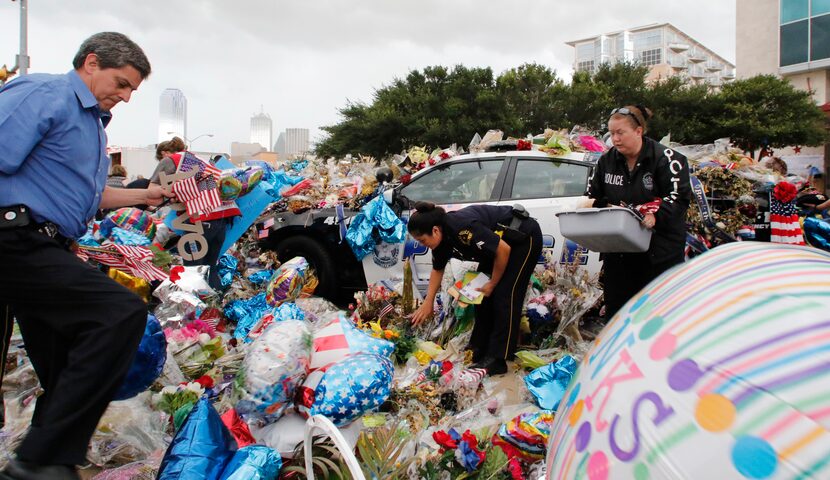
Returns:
(462, 182)
(545, 178)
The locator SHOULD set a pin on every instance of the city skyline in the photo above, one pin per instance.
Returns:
(261, 53)
(262, 129)
(172, 114)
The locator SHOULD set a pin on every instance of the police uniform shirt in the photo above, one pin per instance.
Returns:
(660, 172)
(470, 234)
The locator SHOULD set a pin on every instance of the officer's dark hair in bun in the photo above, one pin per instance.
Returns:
(426, 216)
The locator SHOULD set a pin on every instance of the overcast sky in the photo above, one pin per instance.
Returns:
(302, 60)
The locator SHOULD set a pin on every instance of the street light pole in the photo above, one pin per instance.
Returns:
(190, 142)
(23, 56)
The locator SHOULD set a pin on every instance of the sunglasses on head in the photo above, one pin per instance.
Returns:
(626, 111)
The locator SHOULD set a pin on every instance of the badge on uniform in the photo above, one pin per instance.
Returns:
(465, 236)
(648, 181)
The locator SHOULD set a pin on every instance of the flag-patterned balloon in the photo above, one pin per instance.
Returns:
(346, 390)
(341, 337)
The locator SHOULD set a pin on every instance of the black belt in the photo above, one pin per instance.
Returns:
(19, 217)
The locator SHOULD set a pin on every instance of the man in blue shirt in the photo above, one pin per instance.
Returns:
(80, 328)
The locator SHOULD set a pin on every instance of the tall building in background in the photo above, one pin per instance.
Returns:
(279, 145)
(662, 47)
(296, 141)
(261, 129)
(790, 39)
(172, 114)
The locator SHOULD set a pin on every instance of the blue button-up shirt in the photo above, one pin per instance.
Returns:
(53, 149)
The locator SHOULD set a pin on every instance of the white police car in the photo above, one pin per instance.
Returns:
(543, 184)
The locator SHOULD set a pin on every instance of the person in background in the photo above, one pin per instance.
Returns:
(163, 152)
(80, 328)
(117, 177)
(507, 243)
(640, 172)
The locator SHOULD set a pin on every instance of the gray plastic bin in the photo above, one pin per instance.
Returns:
(605, 229)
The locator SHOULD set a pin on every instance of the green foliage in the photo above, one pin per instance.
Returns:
(768, 110)
(380, 451)
(438, 106)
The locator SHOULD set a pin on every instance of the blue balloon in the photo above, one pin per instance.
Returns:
(201, 449)
(548, 383)
(254, 462)
(148, 362)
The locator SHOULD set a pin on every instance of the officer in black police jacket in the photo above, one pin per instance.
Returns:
(507, 243)
(640, 171)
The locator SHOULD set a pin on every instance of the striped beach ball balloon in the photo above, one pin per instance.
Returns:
(719, 368)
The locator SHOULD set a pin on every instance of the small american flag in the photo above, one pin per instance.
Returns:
(137, 261)
(387, 308)
(200, 192)
(784, 224)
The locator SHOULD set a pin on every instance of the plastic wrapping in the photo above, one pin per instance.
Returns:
(817, 232)
(239, 429)
(316, 308)
(140, 470)
(131, 219)
(348, 389)
(186, 279)
(226, 269)
(274, 366)
(128, 431)
(201, 448)
(375, 215)
(147, 363)
(261, 277)
(246, 313)
(255, 462)
(286, 311)
(526, 436)
(548, 383)
(287, 282)
(716, 369)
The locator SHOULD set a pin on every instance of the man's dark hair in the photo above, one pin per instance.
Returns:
(114, 50)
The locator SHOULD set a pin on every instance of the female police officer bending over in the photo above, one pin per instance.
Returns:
(506, 243)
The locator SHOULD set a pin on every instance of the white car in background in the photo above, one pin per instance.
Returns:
(543, 184)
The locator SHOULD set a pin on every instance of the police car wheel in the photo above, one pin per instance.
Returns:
(318, 258)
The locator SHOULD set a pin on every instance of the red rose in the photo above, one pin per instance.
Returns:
(406, 178)
(523, 145)
(444, 439)
(205, 381)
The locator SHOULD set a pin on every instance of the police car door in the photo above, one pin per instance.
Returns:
(454, 184)
(546, 186)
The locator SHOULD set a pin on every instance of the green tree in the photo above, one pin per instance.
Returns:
(767, 110)
(435, 107)
(682, 109)
(534, 96)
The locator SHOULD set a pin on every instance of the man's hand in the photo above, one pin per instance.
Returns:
(156, 195)
(487, 288)
(423, 313)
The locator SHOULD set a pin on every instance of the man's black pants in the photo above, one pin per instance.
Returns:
(496, 329)
(625, 274)
(81, 331)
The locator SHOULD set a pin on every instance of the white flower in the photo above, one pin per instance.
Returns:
(196, 388)
(204, 338)
(168, 390)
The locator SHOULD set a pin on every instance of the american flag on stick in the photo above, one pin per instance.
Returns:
(137, 261)
(200, 193)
